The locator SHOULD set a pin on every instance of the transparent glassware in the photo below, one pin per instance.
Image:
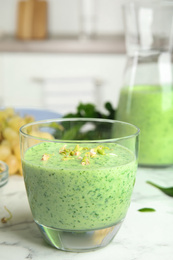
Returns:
(79, 184)
(146, 97)
(87, 19)
(3, 173)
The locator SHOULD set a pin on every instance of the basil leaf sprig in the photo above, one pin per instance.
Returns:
(146, 210)
(87, 110)
(168, 191)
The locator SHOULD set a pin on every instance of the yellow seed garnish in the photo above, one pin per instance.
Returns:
(100, 150)
(45, 157)
(92, 153)
(85, 161)
(77, 148)
(71, 153)
(62, 149)
(77, 153)
(87, 154)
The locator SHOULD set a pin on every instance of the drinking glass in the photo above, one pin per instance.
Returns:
(3, 173)
(146, 97)
(3, 181)
(79, 176)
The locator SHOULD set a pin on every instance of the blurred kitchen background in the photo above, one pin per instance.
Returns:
(60, 53)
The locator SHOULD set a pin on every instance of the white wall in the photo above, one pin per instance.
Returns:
(64, 16)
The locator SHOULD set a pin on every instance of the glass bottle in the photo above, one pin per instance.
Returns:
(4, 174)
(146, 97)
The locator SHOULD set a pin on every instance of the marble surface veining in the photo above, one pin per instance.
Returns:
(143, 236)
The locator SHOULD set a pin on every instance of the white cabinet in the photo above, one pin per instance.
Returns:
(39, 80)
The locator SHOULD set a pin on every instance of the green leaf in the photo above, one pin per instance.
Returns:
(72, 133)
(56, 126)
(89, 110)
(168, 191)
(146, 210)
(111, 110)
(86, 110)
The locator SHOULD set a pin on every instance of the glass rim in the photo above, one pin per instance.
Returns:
(46, 121)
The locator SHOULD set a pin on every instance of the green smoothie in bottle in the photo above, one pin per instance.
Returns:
(151, 109)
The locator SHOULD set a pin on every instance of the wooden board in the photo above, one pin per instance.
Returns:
(20, 18)
(32, 20)
(40, 20)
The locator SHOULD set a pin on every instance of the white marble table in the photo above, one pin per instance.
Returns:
(143, 236)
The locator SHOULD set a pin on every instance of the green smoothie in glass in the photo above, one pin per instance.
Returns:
(151, 109)
(79, 178)
(79, 187)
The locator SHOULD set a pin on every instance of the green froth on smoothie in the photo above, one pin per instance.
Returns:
(71, 196)
(151, 109)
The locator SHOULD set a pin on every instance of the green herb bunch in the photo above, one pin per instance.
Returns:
(86, 111)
